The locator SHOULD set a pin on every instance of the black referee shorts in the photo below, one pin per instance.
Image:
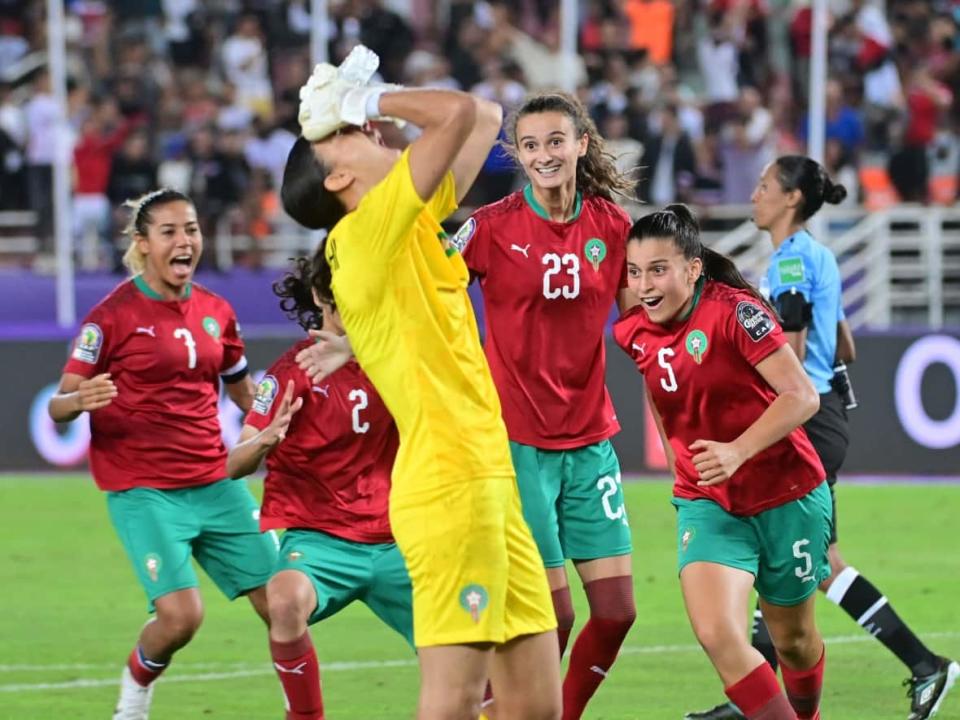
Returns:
(830, 437)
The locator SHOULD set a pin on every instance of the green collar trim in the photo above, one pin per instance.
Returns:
(153, 294)
(539, 210)
(697, 292)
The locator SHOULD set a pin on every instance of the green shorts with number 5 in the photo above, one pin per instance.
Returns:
(785, 548)
(573, 501)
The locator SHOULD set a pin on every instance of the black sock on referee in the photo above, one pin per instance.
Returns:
(760, 638)
(865, 604)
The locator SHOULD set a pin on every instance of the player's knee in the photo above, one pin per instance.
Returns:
(793, 644)
(454, 703)
(181, 625)
(715, 638)
(286, 609)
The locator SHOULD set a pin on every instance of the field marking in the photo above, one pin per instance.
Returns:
(255, 670)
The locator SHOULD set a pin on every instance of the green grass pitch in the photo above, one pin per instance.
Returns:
(71, 610)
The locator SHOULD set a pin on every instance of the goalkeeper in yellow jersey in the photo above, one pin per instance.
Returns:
(481, 603)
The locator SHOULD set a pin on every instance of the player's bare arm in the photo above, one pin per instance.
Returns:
(797, 401)
(475, 150)
(846, 349)
(328, 354)
(254, 445)
(798, 342)
(78, 394)
(242, 392)
(447, 119)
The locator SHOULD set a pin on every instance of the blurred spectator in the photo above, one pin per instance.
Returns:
(909, 167)
(843, 122)
(42, 116)
(668, 165)
(267, 148)
(13, 46)
(133, 172)
(245, 65)
(717, 55)
(426, 69)
(626, 150)
(13, 135)
(746, 146)
(381, 30)
(882, 90)
(102, 134)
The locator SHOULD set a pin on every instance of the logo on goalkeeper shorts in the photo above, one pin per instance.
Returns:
(696, 344)
(153, 564)
(474, 599)
(266, 393)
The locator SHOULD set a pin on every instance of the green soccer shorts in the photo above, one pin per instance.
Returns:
(218, 524)
(573, 501)
(343, 571)
(785, 548)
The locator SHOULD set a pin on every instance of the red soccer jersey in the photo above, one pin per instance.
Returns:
(163, 428)
(548, 288)
(332, 472)
(700, 375)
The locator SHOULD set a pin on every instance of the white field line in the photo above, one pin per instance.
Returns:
(253, 670)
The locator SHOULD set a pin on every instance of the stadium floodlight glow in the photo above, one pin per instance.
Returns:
(927, 351)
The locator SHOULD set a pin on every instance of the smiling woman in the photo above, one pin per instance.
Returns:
(165, 241)
(147, 365)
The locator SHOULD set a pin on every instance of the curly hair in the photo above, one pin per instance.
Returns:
(597, 172)
(296, 288)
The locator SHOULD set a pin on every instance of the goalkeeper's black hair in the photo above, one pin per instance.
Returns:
(295, 289)
(677, 222)
(304, 196)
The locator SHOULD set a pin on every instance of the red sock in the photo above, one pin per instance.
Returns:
(803, 688)
(612, 612)
(299, 672)
(759, 696)
(563, 607)
(144, 671)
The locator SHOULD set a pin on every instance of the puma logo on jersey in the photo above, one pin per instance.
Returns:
(642, 348)
(325, 390)
(523, 250)
(146, 331)
(296, 670)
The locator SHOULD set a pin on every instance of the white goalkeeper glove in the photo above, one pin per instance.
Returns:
(333, 98)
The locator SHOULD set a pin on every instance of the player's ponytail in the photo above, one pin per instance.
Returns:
(676, 222)
(597, 172)
(141, 216)
(296, 289)
(797, 172)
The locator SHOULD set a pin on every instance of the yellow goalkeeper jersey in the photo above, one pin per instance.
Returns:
(402, 296)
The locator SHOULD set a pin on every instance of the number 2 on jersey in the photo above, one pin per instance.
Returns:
(360, 401)
(555, 264)
(187, 337)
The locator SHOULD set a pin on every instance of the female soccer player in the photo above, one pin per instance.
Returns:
(753, 509)
(805, 287)
(481, 602)
(146, 366)
(550, 259)
(330, 448)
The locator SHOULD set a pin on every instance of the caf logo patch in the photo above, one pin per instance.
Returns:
(266, 393)
(462, 237)
(87, 346)
(696, 344)
(474, 599)
(754, 320)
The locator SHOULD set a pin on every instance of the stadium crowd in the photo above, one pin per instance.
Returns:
(700, 94)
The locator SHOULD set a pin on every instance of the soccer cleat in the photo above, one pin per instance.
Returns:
(726, 711)
(927, 693)
(134, 700)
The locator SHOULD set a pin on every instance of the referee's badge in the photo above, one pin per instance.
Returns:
(696, 344)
